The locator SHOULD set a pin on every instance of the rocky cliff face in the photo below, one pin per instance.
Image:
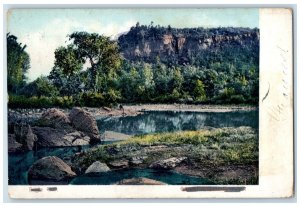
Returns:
(182, 45)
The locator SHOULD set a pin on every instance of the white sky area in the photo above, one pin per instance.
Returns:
(45, 30)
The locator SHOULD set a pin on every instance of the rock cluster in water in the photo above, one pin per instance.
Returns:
(53, 129)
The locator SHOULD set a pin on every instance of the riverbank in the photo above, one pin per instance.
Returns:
(223, 155)
(202, 147)
(133, 110)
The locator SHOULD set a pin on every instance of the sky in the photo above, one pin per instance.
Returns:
(44, 30)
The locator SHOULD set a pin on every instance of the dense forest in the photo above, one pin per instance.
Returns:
(149, 64)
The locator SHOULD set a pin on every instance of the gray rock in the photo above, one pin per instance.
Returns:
(168, 163)
(119, 164)
(13, 145)
(97, 167)
(50, 169)
(77, 138)
(85, 122)
(140, 181)
(50, 137)
(54, 118)
(80, 142)
(25, 136)
(137, 160)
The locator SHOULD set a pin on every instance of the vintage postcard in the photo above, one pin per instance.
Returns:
(150, 103)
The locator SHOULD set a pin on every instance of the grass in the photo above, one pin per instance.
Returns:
(214, 152)
(220, 146)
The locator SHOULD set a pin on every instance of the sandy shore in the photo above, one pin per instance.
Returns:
(133, 110)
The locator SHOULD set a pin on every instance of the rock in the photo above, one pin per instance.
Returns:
(54, 118)
(50, 137)
(114, 136)
(77, 138)
(107, 109)
(85, 122)
(119, 164)
(168, 163)
(50, 169)
(137, 160)
(80, 142)
(140, 181)
(25, 136)
(97, 167)
(13, 145)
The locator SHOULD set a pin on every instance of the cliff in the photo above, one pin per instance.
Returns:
(183, 46)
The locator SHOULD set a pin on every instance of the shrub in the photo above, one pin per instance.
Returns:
(112, 96)
(92, 99)
(237, 99)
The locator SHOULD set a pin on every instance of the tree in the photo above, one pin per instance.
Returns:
(101, 53)
(146, 83)
(178, 79)
(66, 58)
(199, 91)
(18, 63)
(40, 87)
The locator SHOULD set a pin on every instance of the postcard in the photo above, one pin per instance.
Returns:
(150, 103)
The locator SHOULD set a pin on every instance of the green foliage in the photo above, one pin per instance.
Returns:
(112, 96)
(101, 53)
(199, 91)
(91, 71)
(18, 63)
(92, 99)
(67, 59)
(206, 147)
(19, 101)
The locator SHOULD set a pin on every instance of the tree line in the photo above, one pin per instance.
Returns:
(90, 71)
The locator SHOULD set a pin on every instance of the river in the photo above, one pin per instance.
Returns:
(148, 122)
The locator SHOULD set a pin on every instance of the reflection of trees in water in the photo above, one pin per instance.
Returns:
(176, 121)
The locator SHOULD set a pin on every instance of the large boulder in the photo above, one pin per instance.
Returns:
(50, 137)
(85, 122)
(24, 135)
(50, 170)
(97, 167)
(168, 163)
(54, 118)
(140, 181)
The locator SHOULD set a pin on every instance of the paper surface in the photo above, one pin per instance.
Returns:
(275, 130)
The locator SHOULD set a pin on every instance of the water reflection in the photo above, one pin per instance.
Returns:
(151, 122)
(113, 177)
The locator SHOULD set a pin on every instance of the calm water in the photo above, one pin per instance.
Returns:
(149, 122)
(112, 177)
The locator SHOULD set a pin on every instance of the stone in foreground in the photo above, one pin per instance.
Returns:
(85, 122)
(50, 170)
(168, 163)
(97, 167)
(140, 181)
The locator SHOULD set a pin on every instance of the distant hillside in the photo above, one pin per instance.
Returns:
(193, 46)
